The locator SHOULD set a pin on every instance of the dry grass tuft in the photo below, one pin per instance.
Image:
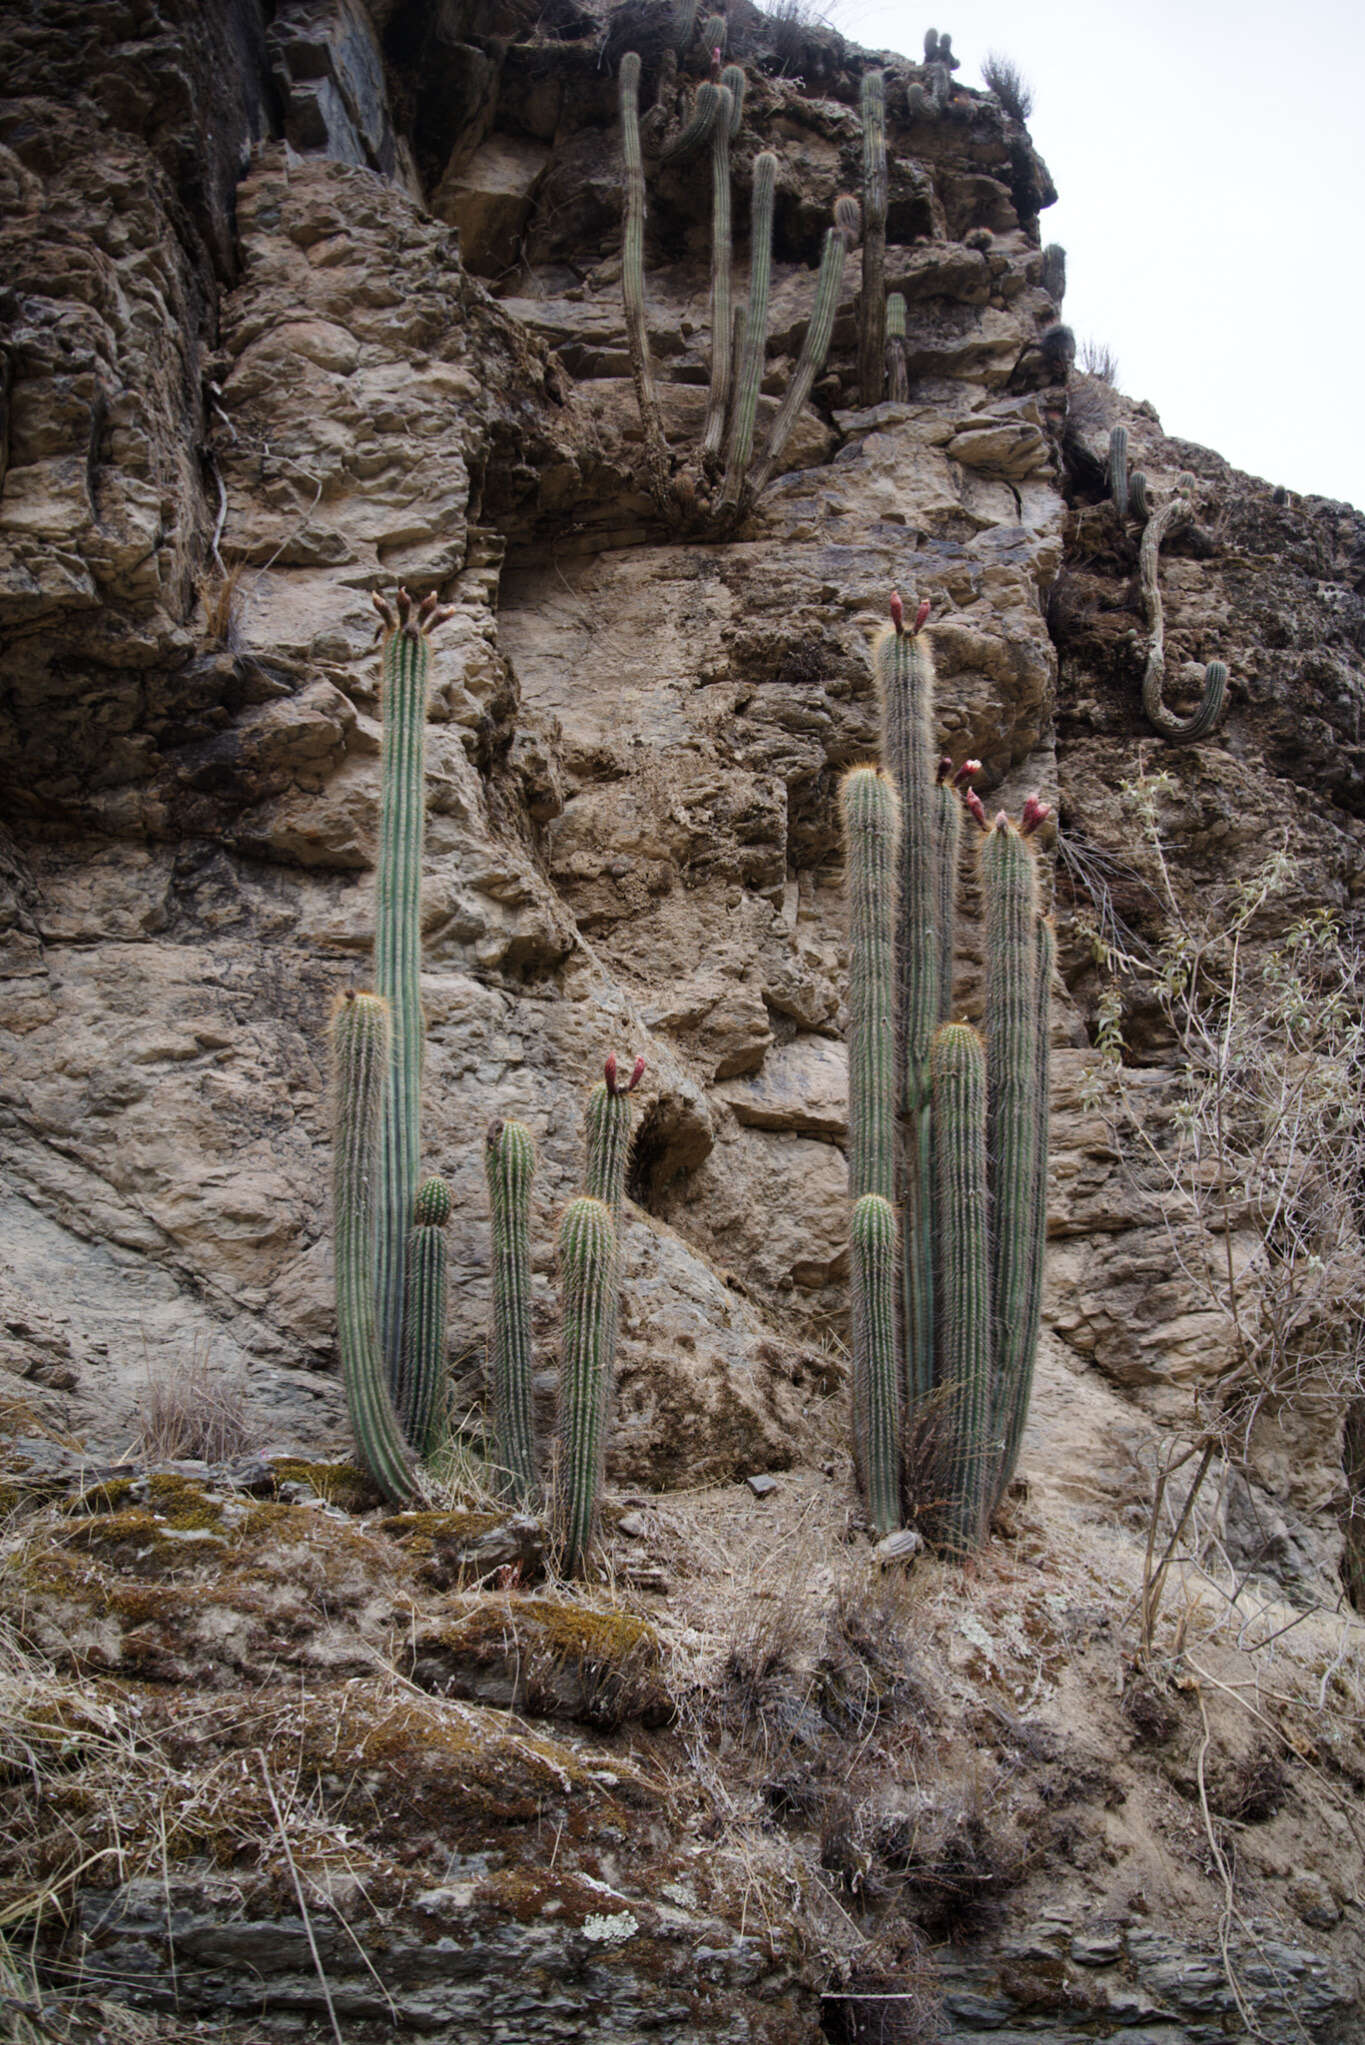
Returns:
(220, 599)
(194, 1412)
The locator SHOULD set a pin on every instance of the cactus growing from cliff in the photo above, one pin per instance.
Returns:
(814, 348)
(1207, 714)
(633, 282)
(875, 1369)
(361, 1052)
(588, 1275)
(509, 1167)
(872, 302)
(1118, 469)
(1054, 272)
(721, 317)
(753, 353)
(422, 1386)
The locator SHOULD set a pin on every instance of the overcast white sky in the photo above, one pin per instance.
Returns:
(1210, 161)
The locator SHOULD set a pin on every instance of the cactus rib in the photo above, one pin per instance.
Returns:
(1118, 469)
(871, 815)
(962, 1279)
(422, 1389)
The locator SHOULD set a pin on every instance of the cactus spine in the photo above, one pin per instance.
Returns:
(633, 281)
(509, 1166)
(1208, 713)
(897, 374)
(754, 350)
(876, 1375)
(588, 1269)
(872, 304)
(872, 829)
(361, 1050)
(958, 1066)
(422, 1390)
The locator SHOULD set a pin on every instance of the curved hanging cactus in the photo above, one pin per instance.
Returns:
(509, 1166)
(361, 1050)
(872, 303)
(588, 1269)
(814, 348)
(1207, 715)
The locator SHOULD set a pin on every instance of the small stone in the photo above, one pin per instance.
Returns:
(1313, 1900)
(900, 1546)
(631, 1525)
(761, 1485)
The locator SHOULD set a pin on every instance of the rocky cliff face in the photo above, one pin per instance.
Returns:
(304, 301)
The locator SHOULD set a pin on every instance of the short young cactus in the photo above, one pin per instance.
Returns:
(588, 1273)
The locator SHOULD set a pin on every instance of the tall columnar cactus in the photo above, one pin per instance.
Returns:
(905, 685)
(753, 354)
(633, 281)
(872, 304)
(1118, 469)
(1010, 1404)
(897, 372)
(876, 1370)
(588, 1271)
(814, 348)
(509, 1166)
(721, 316)
(361, 1050)
(872, 828)
(1054, 272)
(1207, 714)
(963, 1288)
(422, 1387)
(699, 123)
(608, 1128)
(1009, 889)
(398, 937)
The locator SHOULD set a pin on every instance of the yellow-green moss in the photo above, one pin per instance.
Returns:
(339, 1484)
(434, 1526)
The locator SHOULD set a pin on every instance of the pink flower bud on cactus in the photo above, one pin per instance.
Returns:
(921, 614)
(636, 1075)
(967, 773)
(897, 612)
(609, 1072)
(1034, 813)
(945, 769)
(976, 808)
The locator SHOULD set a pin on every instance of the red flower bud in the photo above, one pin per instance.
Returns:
(1034, 813)
(609, 1072)
(976, 808)
(945, 768)
(637, 1074)
(921, 614)
(897, 611)
(967, 773)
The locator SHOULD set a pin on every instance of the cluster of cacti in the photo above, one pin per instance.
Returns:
(390, 1229)
(953, 1128)
(738, 335)
(1129, 492)
(939, 65)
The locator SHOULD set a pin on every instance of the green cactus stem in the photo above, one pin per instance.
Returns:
(732, 78)
(684, 25)
(872, 826)
(406, 654)
(947, 860)
(608, 1128)
(962, 1281)
(361, 1054)
(876, 1377)
(1118, 469)
(905, 685)
(931, 45)
(588, 1271)
(422, 1400)
(1207, 715)
(1010, 1413)
(700, 122)
(811, 360)
(1009, 888)
(848, 218)
(714, 32)
(1054, 272)
(872, 302)
(754, 351)
(721, 317)
(1137, 495)
(633, 283)
(509, 1167)
(897, 372)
